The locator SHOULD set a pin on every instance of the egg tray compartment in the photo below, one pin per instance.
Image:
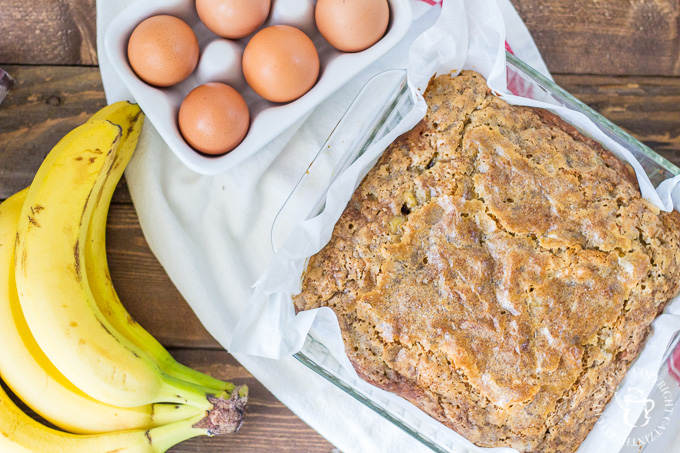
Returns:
(268, 119)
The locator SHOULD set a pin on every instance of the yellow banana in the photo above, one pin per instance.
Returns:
(21, 434)
(34, 379)
(54, 292)
(124, 113)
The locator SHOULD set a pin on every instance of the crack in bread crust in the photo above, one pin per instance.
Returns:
(498, 269)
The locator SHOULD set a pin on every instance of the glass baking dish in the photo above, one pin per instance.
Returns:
(378, 107)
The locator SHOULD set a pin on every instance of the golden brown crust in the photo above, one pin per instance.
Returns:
(498, 269)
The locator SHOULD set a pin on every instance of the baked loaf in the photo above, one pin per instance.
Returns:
(498, 269)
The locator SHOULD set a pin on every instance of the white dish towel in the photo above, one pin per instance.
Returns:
(211, 234)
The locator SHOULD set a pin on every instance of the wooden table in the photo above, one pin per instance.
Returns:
(622, 57)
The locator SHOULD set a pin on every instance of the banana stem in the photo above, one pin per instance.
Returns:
(185, 373)
(165, 437)
(176, 390)
(225, 412)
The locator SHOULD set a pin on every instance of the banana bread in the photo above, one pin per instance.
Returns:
(498, 269)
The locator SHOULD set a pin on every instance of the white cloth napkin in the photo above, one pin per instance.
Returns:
(211, 234)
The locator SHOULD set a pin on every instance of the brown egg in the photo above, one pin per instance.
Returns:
(352, 25)
(214, 118)
(233, 18)
(280, 63)
(163, 50)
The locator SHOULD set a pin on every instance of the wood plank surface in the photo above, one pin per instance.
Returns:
(44, 105)
(647, 107)
(59, 32)
(268, 424)
(613, 37)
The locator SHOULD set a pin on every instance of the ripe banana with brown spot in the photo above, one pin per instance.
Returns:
(53, 287)
(36, 381)
(124, 114)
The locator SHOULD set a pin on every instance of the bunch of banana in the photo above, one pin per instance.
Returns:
(70, 350)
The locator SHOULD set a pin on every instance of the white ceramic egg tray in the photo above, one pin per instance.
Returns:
(268, 119)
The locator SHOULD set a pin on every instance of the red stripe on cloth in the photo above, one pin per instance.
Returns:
(674, 364)
(508, 48)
